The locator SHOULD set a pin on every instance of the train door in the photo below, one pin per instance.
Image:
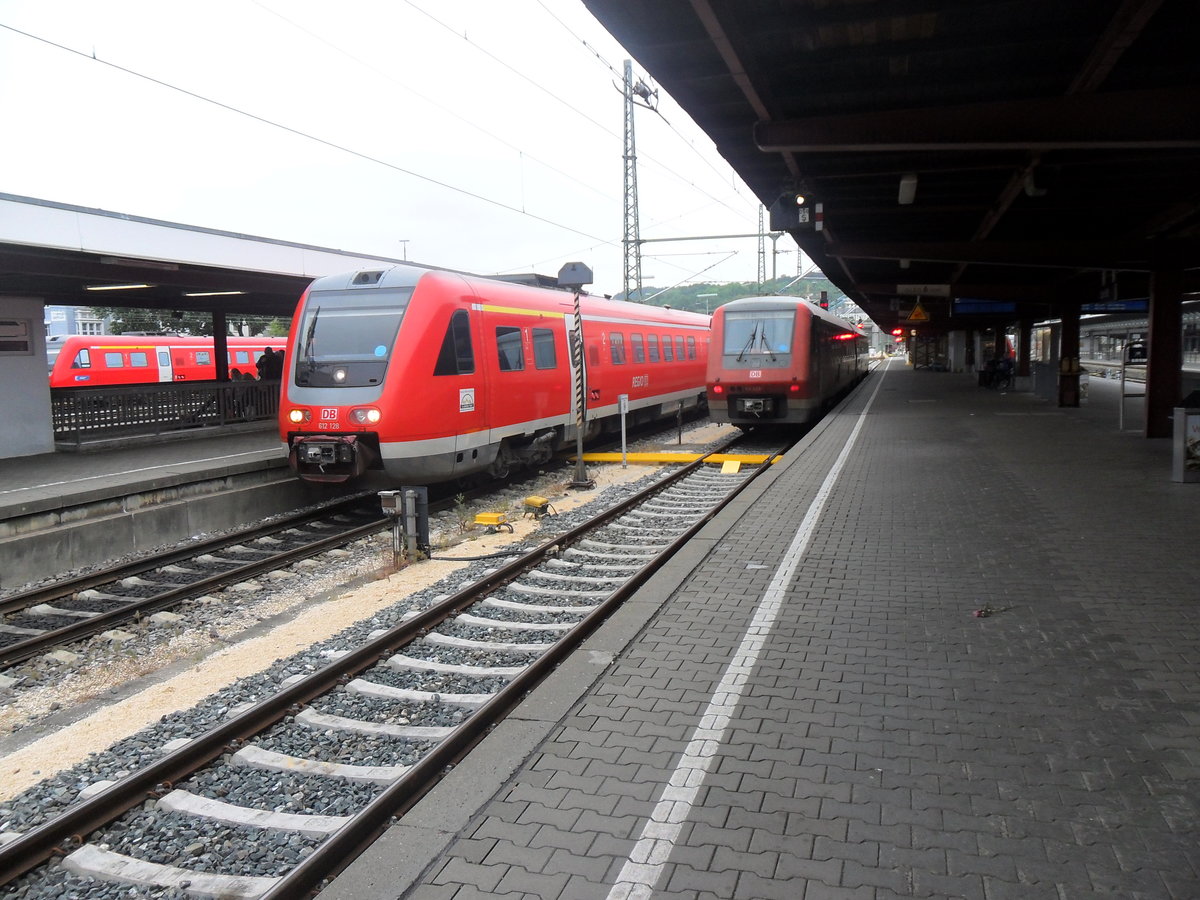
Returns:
(164, 364)
(470, 396)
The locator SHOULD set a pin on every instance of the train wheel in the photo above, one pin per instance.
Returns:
(503, 463)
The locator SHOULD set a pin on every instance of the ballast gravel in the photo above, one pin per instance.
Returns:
(174, 839)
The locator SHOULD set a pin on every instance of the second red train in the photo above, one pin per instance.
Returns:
(780, 361)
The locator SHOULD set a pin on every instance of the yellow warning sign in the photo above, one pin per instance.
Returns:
(918, 313)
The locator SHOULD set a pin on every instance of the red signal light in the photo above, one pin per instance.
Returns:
(897, 331)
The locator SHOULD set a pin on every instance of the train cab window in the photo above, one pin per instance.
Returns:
(691, 348)
(668, 353)
(508, 349)
(637, 348)
(679, 351)
(758, 332)
(457, 356)
(544, 356)
(114, 360)
(82, 360)
(616, 344)
(139, 358)
(652, 348)
(204, 358)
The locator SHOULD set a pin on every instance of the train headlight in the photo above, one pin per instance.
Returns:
(367, 415)
(339, 375)
(299, 416)
(718, 389)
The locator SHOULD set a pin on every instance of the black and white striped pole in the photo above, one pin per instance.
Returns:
(581, 477)
(573, 276)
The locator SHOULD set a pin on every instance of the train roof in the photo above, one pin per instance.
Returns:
(595, 304)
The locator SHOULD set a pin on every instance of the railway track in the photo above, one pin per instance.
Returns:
(276, 798)
(38, 620)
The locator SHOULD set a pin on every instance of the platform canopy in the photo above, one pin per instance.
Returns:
(63, 254)
(1006, 153)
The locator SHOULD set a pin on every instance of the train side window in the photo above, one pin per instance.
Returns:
(114, 361)
(668, 354)
(242, 356)
(679, 351)
(616, 343)
(544, 356)
(203, 357)
(652, 348)
(139, 358)
(82, 360)
(508, 349)
(164, 358)
(637, 349)
(691, 347)
(457, 356)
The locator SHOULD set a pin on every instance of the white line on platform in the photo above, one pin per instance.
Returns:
(649, 856)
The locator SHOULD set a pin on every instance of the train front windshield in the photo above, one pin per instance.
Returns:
(758, 332)
(345, 338)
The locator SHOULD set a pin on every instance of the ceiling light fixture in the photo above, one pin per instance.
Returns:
(212, 293)
(908, 189)
(116, 287)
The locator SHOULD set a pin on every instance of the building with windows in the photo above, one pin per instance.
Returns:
(61, 321)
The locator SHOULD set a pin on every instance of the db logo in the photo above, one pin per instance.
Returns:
(328, 413)
(756, 373)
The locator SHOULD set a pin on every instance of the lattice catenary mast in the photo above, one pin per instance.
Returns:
(633, 241)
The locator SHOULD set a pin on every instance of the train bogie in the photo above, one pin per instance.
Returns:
(429, 376)
(780, 361)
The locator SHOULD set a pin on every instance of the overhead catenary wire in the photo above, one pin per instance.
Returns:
(666, 169)
(303, 134)
(433, 102)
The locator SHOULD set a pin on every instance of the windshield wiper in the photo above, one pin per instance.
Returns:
(766, 347)
(749, 341)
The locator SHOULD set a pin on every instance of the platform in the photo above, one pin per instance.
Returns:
(61, 511)
(950, 647)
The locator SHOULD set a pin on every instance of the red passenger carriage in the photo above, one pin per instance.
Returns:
(103, 360)
(429, 376)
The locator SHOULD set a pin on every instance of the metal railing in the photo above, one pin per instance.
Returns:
(88, 414)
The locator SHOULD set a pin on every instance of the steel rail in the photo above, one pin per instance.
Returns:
(343, 846)
(135, 608)
(47, 593)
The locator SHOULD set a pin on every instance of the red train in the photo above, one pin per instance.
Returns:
(780, 360)
(102, 360)
(430, 376)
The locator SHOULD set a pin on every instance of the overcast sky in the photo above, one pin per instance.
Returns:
(487, 135)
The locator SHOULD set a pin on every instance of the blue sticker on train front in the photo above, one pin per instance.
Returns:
(380, 351)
